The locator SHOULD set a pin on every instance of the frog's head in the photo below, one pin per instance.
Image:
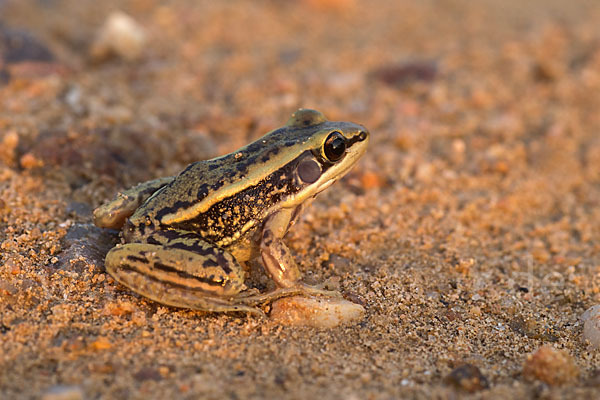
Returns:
(330, 150)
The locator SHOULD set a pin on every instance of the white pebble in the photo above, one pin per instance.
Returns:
(591, 325)
(315, 312)
(120, 36)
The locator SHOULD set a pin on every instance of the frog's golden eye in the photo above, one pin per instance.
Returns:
(335, 146)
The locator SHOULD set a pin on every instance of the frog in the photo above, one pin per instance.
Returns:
(186, 240)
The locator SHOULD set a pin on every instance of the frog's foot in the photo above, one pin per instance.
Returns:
(114, 213)
(207, 279)
(318, 290)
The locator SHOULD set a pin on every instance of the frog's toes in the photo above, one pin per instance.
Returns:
(318, 290)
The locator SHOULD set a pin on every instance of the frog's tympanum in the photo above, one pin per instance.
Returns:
(188, 236)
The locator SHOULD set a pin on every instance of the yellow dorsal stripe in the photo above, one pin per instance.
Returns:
(256, 174)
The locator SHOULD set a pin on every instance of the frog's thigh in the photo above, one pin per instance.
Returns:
(206, 279)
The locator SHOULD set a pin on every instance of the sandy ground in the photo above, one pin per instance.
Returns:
(470, 230)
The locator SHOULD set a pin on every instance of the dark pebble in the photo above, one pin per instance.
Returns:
(147, 374)
(4, 76)
(403, 74)
(20, 46)
(339, 263)
(594, 379)
(79, 209)
(85, 245)
(467, 377)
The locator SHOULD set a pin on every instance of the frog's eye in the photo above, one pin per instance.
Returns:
(335, 146)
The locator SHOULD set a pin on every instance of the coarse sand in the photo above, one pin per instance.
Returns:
(470, 231)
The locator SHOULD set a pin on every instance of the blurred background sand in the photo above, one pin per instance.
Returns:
(469, 232)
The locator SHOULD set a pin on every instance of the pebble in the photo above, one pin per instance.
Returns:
(148, 374)
(591, 325)
(63, 392)
(315, 312)
(20, 46)
(550, 365)
(85, 245)
(467, 377)
(402, 74)
(338, 263)
(24, 56)
(120, 36)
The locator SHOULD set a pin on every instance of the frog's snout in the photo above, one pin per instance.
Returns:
(363, 135)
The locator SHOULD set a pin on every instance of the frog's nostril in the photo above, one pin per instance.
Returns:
(362, 135)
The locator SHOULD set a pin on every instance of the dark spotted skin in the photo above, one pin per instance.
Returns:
(187, 235)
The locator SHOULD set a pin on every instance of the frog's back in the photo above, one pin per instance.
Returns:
(224, 197)
(192, 185)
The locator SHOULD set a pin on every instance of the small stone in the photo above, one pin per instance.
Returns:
(370, 180)
(552, 366)
(338, 263)
(79, 209)
(403, 74)
(591, 325)
(467, 377)
(120, 36)
(10, 141)
(62, 392)
(7, 289)
(4, 76)
(101, 343)
(148, 374)
(119, 308)
(85, 245)
(525, 326)
(29, 161)
(315, 312)
(594, 379)
(24, 56)
(20, 46)
(425, 172)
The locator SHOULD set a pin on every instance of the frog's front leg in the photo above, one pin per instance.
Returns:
(182, 270)
(277, 258)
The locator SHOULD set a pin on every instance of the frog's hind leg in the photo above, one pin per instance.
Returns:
(185, 272)
(114, 213)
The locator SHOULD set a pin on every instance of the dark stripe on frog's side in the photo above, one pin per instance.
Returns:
(209, 280)
(171, 235)
(172, 270)
(137, 259)
(147, 275)
(178, 205)
(151, 240)
(203, 191)
(192, 242)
